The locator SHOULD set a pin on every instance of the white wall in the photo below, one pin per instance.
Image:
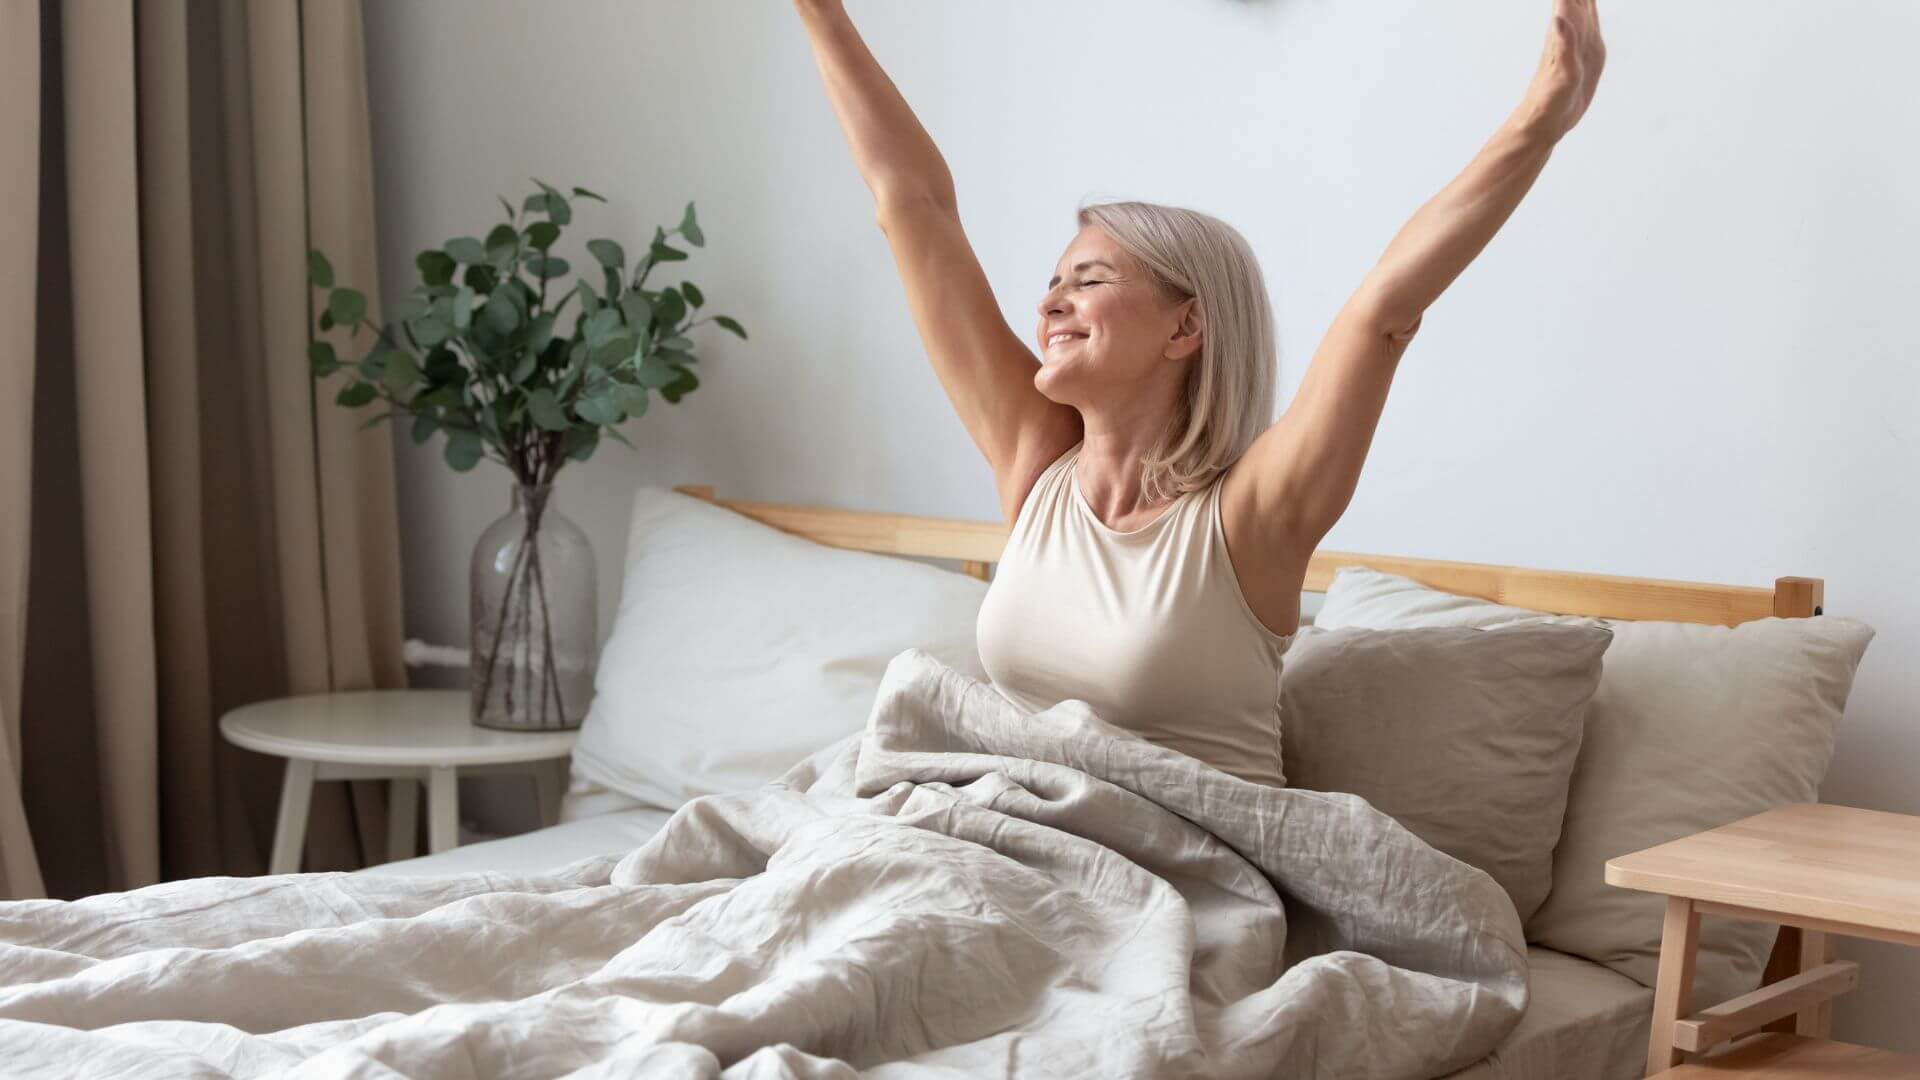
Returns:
(1689, 355)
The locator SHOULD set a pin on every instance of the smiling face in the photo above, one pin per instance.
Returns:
(1106, 325)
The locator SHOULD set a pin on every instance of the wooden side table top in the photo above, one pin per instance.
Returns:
(385, 727)
(1835, 868)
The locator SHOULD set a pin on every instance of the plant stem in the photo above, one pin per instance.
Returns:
(546, 632)
(500, 627)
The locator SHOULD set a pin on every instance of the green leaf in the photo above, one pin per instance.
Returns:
(589, 300)
(541, 335)
(388, 415)
(319, 270)
(431, 331)
(500, 313)
(502, 242)
(436, 268)
(632, 399)
(322, 359)
(558, 211)
(678, 341)
(638, 312)
(542, 234)
(464, 449)
(615, 351)
(463, 308)
(506, 205)
(690, 229)
(692, 293)
(424, 425)
(481, 278)
(580, 443)
(610, 276)
(608, 252)
(655, 372)
(727, 322)
(523, 367)
(355, 394)
(668, 309)
(600, 326)
(443, 365)
(326, 321)
(346, 306)
(546, 410)
(467, 250)
(585, 194)
(664, 252)
(413, 307)
(547, 266)
(599, 409)
(684, 382)
(402, 370)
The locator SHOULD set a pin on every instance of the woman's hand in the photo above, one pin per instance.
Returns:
(1569, 70)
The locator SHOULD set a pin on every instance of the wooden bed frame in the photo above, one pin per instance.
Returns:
(976, 545)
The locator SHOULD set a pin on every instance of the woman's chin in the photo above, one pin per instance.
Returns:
(1056, 381)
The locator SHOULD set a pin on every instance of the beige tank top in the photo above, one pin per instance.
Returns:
(1147, 626)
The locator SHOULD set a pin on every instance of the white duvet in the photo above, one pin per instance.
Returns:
(964, 889)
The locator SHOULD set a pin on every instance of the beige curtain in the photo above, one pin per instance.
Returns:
(187, 522)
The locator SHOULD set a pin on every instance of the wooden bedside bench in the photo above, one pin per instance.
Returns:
(1829, 870)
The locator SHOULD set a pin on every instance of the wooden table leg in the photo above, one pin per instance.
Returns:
(290, 831)
(1816, 948)
(443, 809)
(546, 791)
(1673, 993)
(403, 815)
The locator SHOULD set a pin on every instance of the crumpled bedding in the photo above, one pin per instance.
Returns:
(964, 888)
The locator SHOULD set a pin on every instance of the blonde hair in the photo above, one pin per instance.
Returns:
(1230, 389)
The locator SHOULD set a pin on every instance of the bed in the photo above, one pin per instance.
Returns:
(1570, 1001)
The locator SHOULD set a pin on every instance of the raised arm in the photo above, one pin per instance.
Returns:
(1302, 471)
(985, 368)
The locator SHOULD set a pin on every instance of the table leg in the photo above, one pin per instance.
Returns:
(1816, 948)
(1673, 993)
(403, 815)
(443, 809)
(290, 832)
(546, 790)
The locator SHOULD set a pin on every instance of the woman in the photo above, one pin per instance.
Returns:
(1160, 525)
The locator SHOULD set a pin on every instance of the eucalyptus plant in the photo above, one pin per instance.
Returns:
(478, 349)
(485, 350)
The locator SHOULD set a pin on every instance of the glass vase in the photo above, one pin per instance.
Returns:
(533, 605)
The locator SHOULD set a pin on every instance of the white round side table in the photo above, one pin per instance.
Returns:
(405, 735)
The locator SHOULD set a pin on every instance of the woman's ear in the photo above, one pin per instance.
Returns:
(1189, 333)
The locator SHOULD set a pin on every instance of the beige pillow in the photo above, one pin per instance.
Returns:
(1692, 727)
(1464, 736)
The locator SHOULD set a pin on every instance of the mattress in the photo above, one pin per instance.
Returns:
(1583, 1021)
(575, 838)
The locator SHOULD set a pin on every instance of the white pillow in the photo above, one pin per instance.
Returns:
(1692, 726)
(739, 649)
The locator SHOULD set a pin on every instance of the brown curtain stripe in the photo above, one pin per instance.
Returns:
(20, 43)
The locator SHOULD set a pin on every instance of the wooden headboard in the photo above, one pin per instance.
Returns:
(976, 546)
